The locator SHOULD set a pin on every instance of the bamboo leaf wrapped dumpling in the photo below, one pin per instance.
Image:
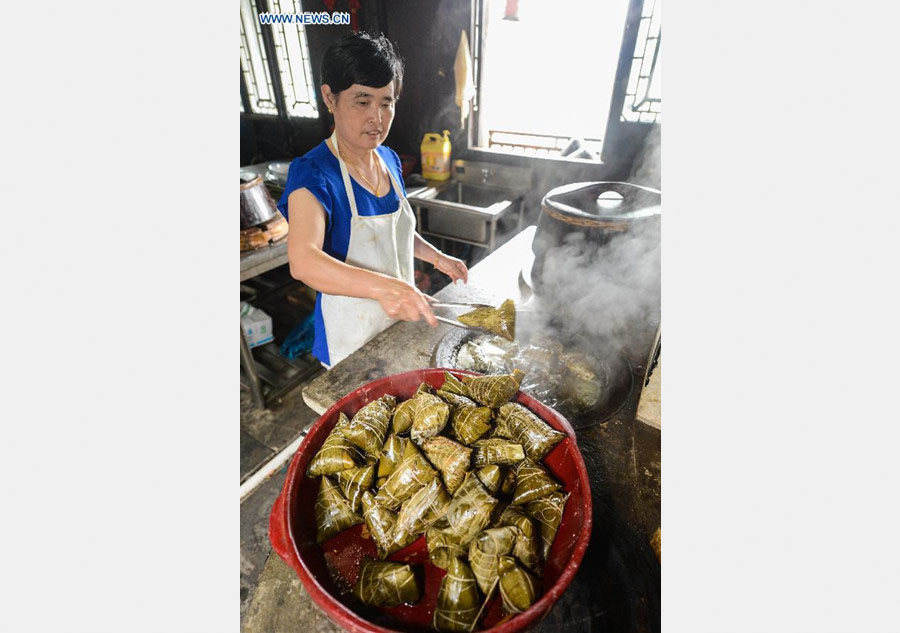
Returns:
(451, 458)
(411, 473)
(405, 411)
(468, 420)
(526, 549)
(500, 321)
(507, 480)
(497, 451)
(485, 552)
(518, 588)
(536, 436)
(430, 419)
(336, 454)
(458, 602)
(532, 482)
(494, 391)
(452, 384)
(353, 482)
(468, 512)
(455, 399)
(368, 427)
(380, 522)
(333, 512)
(386, 584)
(391, 455)
(547, 513)
(443, 547)
(424, 507)
(490, 476)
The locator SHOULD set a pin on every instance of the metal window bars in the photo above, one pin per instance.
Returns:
(276, 75)
(643, 102)
(533, 144)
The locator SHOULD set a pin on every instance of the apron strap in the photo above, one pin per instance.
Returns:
(397, 188)
(348, 186)
(351, 197)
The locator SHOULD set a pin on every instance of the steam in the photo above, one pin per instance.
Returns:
(646, 171)
(610, 294)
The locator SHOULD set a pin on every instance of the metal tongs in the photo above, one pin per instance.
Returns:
(435, 303)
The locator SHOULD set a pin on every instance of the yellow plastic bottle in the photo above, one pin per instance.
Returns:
(436, 156)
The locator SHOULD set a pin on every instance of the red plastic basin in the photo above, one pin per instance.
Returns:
(292, 527)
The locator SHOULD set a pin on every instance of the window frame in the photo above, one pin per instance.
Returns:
(275, 72)
(615, 128)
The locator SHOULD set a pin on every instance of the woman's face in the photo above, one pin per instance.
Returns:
(362, 114)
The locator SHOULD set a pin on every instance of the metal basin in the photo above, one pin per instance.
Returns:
(473, 195)
(464, 211)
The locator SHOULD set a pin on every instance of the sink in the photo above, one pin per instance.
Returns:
(464, 212)
(472, 195)
(466, 208)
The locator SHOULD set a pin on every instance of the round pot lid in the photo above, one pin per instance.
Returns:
(606, 200)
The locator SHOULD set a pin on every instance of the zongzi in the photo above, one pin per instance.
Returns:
(518, 588)
(336, 454)
(458, 601)
(451, 458)
(368, 427)
(497, 451)
(485, 552)
(532, 482)
(333, 512)
(468, 512)
(385, 584)
(431, 416)
(411, 473)
(526, 549)
(423, 508)
(536, 436)
(547, 513)
(353, 482)
(500, 321)
(380, 522)
(494, 391)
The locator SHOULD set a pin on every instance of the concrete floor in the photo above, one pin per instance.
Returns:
(263, 435)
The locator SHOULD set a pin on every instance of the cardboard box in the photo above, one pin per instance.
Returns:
(257, 325)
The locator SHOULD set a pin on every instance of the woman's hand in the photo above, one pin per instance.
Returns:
(452, 267)
(399, 300)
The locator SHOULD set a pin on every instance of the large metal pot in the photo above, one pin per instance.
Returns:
(596, 211)
(257, 205)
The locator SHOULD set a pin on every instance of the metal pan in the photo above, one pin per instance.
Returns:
(615, 372)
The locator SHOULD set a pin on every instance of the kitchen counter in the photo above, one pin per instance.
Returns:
(617, 585)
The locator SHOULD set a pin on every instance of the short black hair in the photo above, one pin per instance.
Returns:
(364, 59)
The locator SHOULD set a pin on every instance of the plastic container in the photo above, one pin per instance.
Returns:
(292, 526)
(436, 156)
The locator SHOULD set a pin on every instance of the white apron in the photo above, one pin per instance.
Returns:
(381, 243)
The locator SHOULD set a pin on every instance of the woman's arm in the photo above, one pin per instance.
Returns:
(450, 266)
(320, 271)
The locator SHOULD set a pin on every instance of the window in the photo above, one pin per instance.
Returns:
(292, 54)
(280, 83)
(643, 99)
(547, 71)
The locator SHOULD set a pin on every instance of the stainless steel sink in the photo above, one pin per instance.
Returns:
(467, 207)
(472, 195)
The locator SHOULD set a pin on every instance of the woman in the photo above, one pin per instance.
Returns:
(352, 232)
